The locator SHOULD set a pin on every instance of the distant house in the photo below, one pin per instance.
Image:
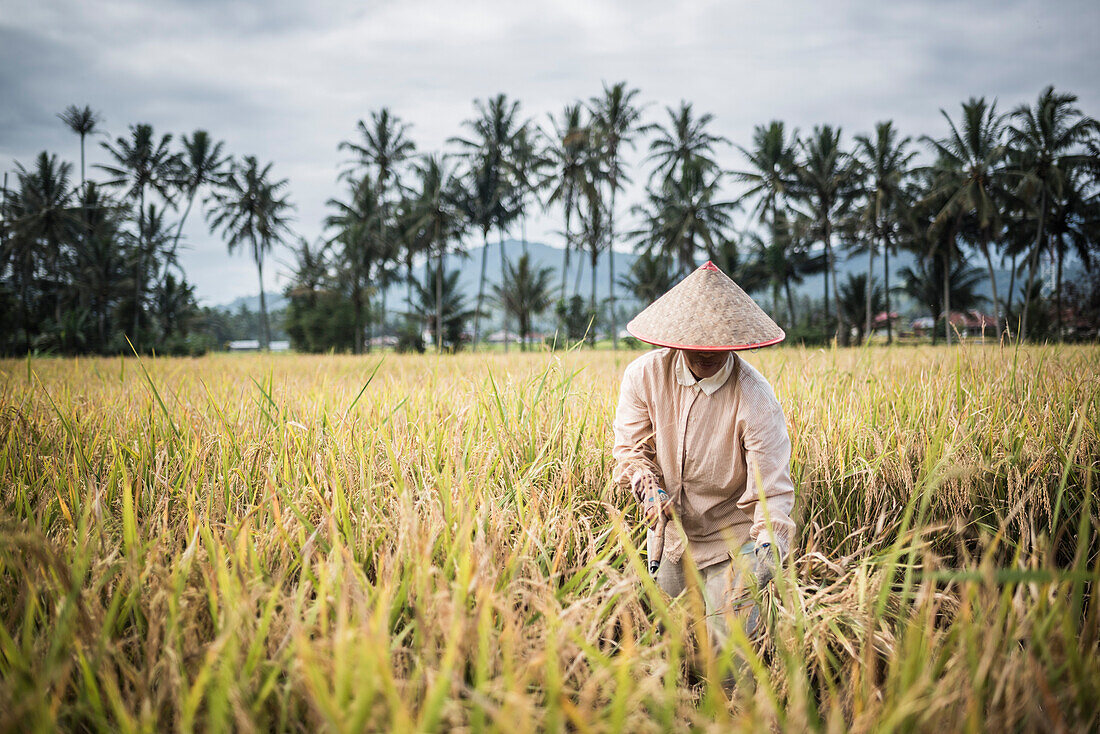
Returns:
(882, 317)
(969, 323)
(385, 340)
(499, 337)
(253, 345)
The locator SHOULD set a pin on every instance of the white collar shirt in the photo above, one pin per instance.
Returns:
(709, 385)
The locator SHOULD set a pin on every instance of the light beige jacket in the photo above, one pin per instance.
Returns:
(707, 444)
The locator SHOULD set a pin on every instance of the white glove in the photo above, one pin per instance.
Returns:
(765, 563)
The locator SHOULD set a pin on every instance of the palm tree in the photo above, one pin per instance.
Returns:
(175, 305)
(83, 122)
(314, 319)
(99, 264)
(685, 141)
(649, 277)
(146, 249)
(566, 153)
(488, 155)
(968, 176)
(925, 283)
(310, 269)
(771, 171)
(826, 183)
(251, 209)
(749, 273)
(42, 222)
(385, 146)
(932, 238)
(201, 163)
(526, 167)
(852, 296)
(524, 292)
(593, 231)
(770, 177)
(356, 229)
(1047, 139)
(884, 162)
(786, 260)
(437, 214)
(476, 201)
(443, 305)
(1074, 224)
(616, 120)
(409, 239)
(142, 164)
(684, 214)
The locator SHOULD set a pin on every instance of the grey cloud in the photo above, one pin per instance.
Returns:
(286, 80)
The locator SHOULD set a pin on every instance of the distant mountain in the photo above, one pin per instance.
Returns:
(814, 287)
(580, 273)
(275, 301)
(542, 256)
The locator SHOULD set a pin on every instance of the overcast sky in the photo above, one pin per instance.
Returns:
(287, 81)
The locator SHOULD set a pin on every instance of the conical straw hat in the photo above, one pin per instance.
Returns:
(706, 311)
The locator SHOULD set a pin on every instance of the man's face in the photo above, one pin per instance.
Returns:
(705, 364)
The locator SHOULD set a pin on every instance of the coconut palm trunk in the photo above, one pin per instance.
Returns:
(83, 183)
(947, 297)
(139, 274)
(870, 271)
(439, 293)
(357, 308)
(830, 270)
(992, 285)
(886, 288)
(265, 335)
(1008, 298)
(366, 348)
(592, 305)
(179, 227)
(565, 254)
(357, 315)
(611, 264)
(1032, 262)
(790, 300)
(439, 302)
(611, 298)
(503, 264)
(408, 286)
(480, 289)
(382, 303)
(580, 273)
(1058, 287)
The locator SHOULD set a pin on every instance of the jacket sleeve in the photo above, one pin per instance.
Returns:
(769, 491)
(634, 451)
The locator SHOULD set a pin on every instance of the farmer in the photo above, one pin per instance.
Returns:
(700, 437)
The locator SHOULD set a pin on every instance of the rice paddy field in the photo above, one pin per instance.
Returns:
(293, 543)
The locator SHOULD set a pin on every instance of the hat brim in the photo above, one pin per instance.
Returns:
(707, 347)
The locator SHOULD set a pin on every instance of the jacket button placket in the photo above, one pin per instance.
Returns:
(683, 437)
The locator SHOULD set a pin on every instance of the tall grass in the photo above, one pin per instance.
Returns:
(332, 543)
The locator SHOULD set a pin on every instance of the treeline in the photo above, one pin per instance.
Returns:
(92, 265)
(88, 264)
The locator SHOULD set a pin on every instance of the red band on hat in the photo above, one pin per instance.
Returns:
(708, 265)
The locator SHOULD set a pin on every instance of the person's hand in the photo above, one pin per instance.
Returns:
(656, 505)
(765, 563)
(655, 501)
